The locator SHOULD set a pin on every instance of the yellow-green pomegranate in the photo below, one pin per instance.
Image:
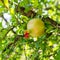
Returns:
(35, 27)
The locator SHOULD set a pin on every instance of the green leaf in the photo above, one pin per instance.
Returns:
(57, 57)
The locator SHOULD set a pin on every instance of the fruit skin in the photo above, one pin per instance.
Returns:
(36, 27)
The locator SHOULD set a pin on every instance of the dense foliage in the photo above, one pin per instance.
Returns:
(14, 16)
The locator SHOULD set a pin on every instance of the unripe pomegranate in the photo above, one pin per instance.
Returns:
(36, 27)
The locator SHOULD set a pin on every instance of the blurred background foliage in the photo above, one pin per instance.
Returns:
(14, 16)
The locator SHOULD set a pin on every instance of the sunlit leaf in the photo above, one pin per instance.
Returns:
(6, 2)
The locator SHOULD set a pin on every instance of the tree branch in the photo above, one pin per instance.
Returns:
(53, 23)
(13, 43)
(32, 13)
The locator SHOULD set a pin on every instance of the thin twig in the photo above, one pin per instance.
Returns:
(8, 32)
